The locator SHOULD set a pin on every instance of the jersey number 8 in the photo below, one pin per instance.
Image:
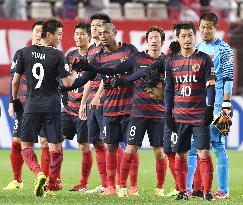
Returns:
(41, 74)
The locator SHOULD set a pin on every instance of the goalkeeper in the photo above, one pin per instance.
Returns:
(223, 59)
(148, 105)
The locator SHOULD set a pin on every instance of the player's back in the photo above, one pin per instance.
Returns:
(42, 67)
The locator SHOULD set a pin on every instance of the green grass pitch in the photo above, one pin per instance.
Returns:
(147, 178)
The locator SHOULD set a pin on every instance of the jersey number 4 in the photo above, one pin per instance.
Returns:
(38, 66)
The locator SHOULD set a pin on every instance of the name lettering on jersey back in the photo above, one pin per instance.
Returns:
(41, 56)
(186, 78)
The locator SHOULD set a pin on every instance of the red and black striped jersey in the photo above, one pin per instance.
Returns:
(94, 84)
(74, 96)
(143, 104)
(185, 90)
(23, 82)
(116, 101)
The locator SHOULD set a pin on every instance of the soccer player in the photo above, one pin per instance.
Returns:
(223, 59)
(15, 155)
(43, 65)
(189, 74)
(92, 95)
(72, 124)
(117, 103)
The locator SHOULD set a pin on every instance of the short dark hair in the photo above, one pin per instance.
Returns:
(101, 16)
(184, 25)
(209, 16)
(37, 23)
(84, 26)
(158, 29)
(50, 26)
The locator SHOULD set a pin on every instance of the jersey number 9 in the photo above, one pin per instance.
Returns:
(36, 76)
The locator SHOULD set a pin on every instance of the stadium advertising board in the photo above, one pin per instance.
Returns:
(234, 140)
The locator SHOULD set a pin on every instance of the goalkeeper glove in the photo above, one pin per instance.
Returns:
(223, 123)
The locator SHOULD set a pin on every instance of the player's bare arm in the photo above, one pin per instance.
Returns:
(96, 100)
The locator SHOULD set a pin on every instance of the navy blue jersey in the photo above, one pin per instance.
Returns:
(23, 82)
(185, 90)
(117, 101)
(94, 84)
(74, 96)
(43, 67)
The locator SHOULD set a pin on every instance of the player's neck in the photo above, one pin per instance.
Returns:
(112, 47)
(82, 50)
(154, 54)
(187, 53)
(210, 41)
(96, 41)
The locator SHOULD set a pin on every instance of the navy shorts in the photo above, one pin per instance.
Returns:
(32, 124)
(73, 125)
(201, 134)
(17, 125)
(138, 126)
(169, 139)
(95, 124)
(114, 129)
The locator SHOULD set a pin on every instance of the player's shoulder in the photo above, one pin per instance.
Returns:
(223, 46)
(201, 54)
(93, 49)
(72, 53)
(16, 54)
(129, 46)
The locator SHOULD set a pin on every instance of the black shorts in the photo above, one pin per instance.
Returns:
(73, 125)
(33, 122)
(201, 134)
(17, 125)
(138, 126)
(169, 140)
(95, 124)
(42, 132)
(114, 129)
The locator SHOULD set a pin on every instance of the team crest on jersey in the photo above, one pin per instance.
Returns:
(195, 67)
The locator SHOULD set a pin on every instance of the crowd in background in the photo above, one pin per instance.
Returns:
(177, 9)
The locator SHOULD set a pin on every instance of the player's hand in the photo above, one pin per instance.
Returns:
(83, 112)
(94, 103)
(17, 106)
(11, 110)
(175, 47)
(208, 115)
(170, 121)
(81, 65)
